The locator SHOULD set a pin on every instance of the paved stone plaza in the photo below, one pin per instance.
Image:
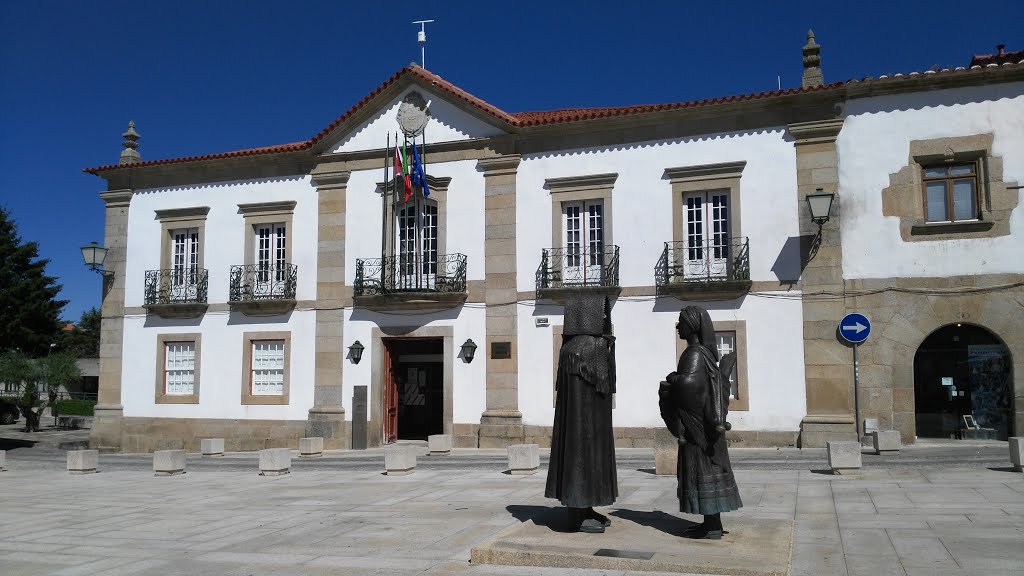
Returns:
(949, 515)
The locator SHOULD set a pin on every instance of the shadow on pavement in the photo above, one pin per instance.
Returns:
(12, 443)
(556, 518)
(663, 521)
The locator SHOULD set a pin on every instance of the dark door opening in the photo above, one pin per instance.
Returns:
(414, 397)
(962, 370)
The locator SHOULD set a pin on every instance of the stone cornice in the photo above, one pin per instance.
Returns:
(192, 213)
(328, 180)
(434, 182)
(580, 183)
(816, 132)
(267, 208)
(700, 172)
(115, 198)
(500, 165)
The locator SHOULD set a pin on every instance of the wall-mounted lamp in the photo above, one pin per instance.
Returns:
(820, 205)
(468, 350)
(355, 352)
(94, 255)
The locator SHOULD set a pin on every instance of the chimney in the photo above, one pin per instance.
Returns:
(812, 62)
(1002, 49)
(130, 155)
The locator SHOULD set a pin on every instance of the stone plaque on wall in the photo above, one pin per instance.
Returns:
(501, 350)
(359, 417)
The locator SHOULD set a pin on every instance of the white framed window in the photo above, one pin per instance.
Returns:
(417, 231)
(583, 241)
(267, 368)
(271, 253)
(706, 232)
(726, 340)
(185, 255)
(179, 368)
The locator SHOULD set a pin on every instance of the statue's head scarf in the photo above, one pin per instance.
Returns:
(699, 322)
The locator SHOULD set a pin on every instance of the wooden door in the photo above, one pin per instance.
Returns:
(390, 394)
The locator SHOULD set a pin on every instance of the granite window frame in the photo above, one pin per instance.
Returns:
(161, 395)
(248, 398)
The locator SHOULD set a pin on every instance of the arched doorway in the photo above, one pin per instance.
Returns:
(962, 370)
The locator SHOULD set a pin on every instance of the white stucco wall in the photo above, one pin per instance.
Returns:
(221, 369)
(224, 244)
(447, 124)
(646, 353)
(875, 142)
(642, 200)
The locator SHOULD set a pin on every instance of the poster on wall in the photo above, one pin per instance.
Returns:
(990, 386)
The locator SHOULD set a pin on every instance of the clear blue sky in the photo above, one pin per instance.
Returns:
(215, 75)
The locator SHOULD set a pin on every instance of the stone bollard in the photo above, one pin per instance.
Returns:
(311, 447)
(168, 462)
(275, 461)
(3, 459)
(844, 457)
(523, 459)
(886, 441)
(83, 461)
(399, 460)
(666, 451)
(1017, 453)
(212, 446)
(440, 444)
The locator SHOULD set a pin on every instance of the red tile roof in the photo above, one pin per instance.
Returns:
(546, 117)
(1000, 57)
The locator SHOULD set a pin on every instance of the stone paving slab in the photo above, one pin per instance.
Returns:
(641, 541)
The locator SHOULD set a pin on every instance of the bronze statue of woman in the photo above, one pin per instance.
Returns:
(694, 402)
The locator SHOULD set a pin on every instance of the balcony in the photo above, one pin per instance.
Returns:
(708, 270)
(404, 283)
(566, 271)
(263, 290)
(176, 292)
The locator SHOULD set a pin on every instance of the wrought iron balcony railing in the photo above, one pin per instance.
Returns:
(176, 286)
(578, 267)
(253, 282)
(726, 260)
(393, 274)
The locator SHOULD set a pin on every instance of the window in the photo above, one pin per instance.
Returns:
(184, 256)
(583, 242)
(951, 192)
(267, 367)
(706, 240)
(726, 345)
(417, 230)
(177, 368)
(266, 363)
(271, 257)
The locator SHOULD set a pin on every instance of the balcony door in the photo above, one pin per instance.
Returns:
(583, 250)
(271, 259)
(416, 242)
(184, 257)
(706, 242)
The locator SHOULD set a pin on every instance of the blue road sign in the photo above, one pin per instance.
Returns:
(855, 328)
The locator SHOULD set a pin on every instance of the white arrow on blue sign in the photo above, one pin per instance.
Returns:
(855, 328)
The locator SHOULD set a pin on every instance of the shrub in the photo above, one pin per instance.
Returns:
(74, 407)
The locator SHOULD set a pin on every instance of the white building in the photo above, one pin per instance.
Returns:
(243, 281)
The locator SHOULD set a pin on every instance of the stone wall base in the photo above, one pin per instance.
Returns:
(105, 433)
(332, 427)
(501, 430)
(816, 431)
(150, 434)
(466, 436)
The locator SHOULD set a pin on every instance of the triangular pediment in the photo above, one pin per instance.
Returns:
(445, 112)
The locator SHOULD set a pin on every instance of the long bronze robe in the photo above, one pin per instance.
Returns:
(581, 472)
(706, 482)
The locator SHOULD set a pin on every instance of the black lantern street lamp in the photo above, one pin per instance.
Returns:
(468, 350)
(355, 352)
(94, 255)
(820, 206)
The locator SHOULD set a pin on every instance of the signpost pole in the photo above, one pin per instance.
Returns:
(856, 403)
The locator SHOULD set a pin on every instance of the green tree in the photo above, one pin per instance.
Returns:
(84, 340)
(29, 309)
(55, 370)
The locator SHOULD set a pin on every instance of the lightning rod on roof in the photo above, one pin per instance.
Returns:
(421, 36)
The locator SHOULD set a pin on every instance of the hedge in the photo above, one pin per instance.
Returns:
(73, 407)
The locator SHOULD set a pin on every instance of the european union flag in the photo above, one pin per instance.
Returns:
(418, 177)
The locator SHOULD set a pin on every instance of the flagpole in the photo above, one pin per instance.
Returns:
(419, 224)
(384, 206)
